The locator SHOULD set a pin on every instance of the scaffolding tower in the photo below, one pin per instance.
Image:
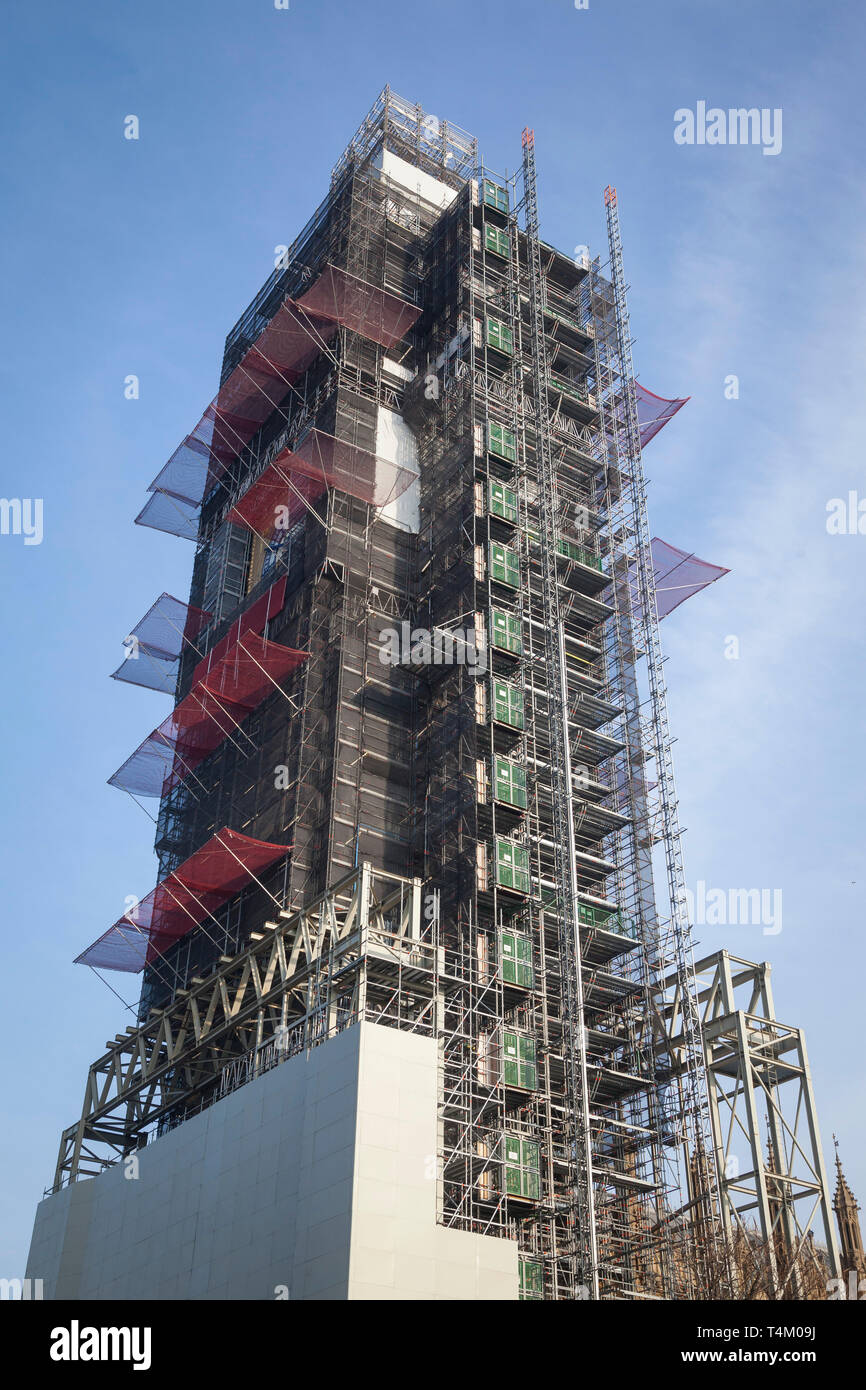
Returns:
(764, 1128)
(426, 424)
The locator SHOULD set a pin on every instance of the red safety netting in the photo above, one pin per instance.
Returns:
(157, 641)
(278, 497)
(257, 386)
(679, 574)
(282, 352)
(298, 476)
(194, 891)
(211, 712)
(253, 619)
(374, 313)
(241, 670)
(653, 412)
(366, 476)
(249, 671)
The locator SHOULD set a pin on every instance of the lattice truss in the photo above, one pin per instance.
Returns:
(366, 949)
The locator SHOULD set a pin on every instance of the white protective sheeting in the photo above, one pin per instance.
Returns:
(396, 443)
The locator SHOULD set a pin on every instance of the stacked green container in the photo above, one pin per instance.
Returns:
(512, 866)
(531, 1280)
(500, 336)
(515, 954)
(522, 1167)
(495, 196)
(507, 704)
(501, 501)
(506, 632)
(504, 565)
(519, 1066)
(496, 241)
(501, 441)
(509, 782)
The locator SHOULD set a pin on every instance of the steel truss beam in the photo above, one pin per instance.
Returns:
(308, 975)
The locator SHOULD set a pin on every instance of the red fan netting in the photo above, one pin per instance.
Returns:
(296, 477)
(277, 497)
(374, 313)
(241, 670)
(653, 412)
(679, 574)
(298, 331)
(194, 891)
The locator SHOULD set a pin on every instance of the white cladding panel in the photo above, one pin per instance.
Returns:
(406, 174)
(316, 1181)
(396, 443)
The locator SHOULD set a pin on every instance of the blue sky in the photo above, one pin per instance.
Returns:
(136, 257)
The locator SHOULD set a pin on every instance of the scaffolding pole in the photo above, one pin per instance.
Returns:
(586, 1249)
(675, 935)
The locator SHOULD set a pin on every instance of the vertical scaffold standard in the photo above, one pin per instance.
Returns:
(584, 1233)
(687, 1101)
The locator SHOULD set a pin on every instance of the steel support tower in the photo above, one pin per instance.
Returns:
(765, 1131)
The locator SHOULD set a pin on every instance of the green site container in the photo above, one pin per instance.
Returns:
(572, 551)
(595, 916)
(501, 501)
(506, 632)
(531, 1280)
(504, 565)
(515, 955)
(522, 1182)
(509, 782)
(519, 1067)
(512, 1150)
(495, 196)
(496, 241)
(507, 704)
(511, 866)
(499, 336)
(522, 1167)
(500, 441)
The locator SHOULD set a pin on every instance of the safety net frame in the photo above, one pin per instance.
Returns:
(157, 641)
(189, 895)
(654, 412)
(678, 575)
(298, 476)
(298, 331)
(240, 671)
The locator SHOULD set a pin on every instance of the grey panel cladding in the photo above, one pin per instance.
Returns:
(250, 1199)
